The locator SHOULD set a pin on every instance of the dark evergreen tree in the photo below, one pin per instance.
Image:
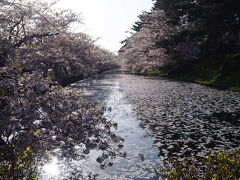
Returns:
(213, 23)
(203, 40)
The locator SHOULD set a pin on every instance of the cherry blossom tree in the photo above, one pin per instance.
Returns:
(37, 115)
(140, 53)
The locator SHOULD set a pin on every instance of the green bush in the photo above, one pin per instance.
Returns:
(217, 166)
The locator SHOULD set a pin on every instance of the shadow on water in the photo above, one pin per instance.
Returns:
(185, 118)
(232, 118)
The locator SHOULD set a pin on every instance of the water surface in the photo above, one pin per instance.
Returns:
(160, 117)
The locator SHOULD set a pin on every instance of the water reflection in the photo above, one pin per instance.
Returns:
(159, 118)
(50, 170)
(136, 140)
(109, 93)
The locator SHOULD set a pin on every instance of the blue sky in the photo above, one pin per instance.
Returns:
(107, 19)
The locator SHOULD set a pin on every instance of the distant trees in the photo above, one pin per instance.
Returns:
(199, 33)
(34, 32)
(37, 52)
(140, 53)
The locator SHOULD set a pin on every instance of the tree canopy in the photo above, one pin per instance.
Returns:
(200, 33)
(38, 52)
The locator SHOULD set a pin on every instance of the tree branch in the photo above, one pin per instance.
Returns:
(28, 38)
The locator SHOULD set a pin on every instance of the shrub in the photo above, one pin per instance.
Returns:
(216, 166)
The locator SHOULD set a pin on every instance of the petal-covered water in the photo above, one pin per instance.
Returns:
(160, 117)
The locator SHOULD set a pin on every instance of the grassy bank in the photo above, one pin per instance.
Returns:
(221, 72)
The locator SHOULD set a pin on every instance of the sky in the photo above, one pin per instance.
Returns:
(109, 20)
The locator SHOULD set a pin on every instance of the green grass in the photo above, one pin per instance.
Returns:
(217, 70)
(162, 72)
(235, 88)
(223, 72)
